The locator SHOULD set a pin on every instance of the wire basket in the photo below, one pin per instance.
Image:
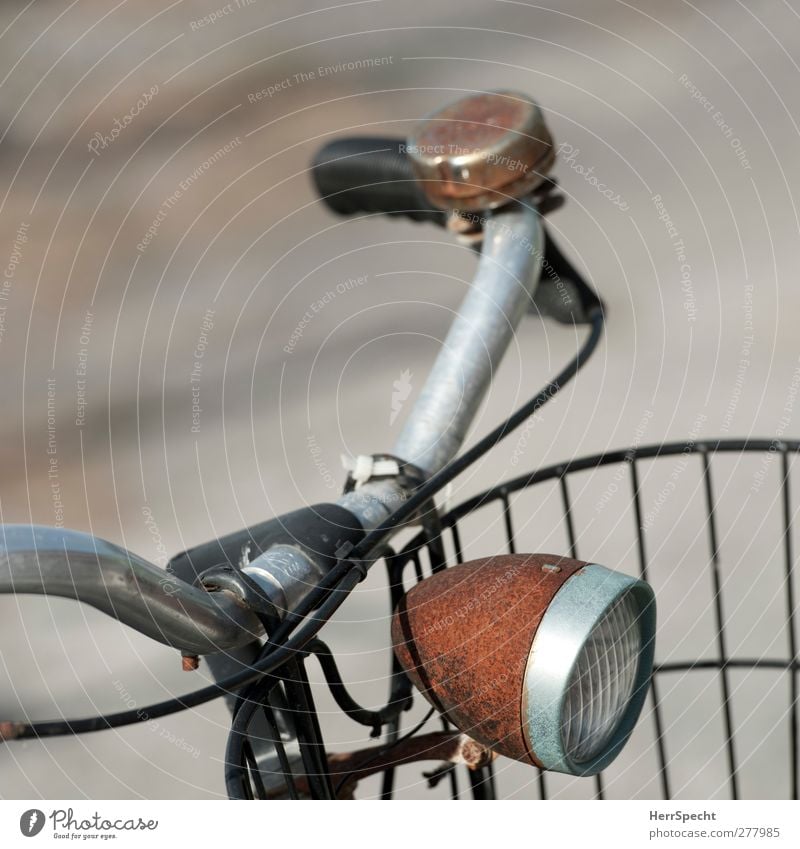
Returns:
(710, 526)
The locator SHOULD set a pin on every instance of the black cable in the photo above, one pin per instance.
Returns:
(337, 584)
(374, 719)
(351, 566)
(257, 789)
(346, 568)
(236, 751)
(55, 728)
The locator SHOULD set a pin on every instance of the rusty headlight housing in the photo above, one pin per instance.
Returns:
(544, 659)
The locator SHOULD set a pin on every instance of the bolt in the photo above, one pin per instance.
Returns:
(475, 754)
(190, 662)
(10, 730)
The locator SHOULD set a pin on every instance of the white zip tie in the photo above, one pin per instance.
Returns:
(363, 467)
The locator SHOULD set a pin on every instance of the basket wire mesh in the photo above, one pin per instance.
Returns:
(429, 552)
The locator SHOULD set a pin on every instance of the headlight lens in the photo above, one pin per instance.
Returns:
(602, 681)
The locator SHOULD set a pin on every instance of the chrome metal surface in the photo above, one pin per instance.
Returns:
(55, 561)
(287, 573)
(374, 501)
(507, 276)
(574, 615)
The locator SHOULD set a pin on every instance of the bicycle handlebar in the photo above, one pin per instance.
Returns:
(352, 175)
(55, 561)
(164, 606)
(502, 290)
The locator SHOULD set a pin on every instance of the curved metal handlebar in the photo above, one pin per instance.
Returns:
(55, 561)
(500, 294)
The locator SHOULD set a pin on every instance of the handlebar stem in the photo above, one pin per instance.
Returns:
(286, 573)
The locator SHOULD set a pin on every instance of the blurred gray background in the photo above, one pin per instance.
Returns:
(156, 202)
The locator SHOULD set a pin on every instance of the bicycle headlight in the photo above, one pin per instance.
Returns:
(542, 658)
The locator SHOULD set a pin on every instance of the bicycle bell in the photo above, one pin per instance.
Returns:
(481, 151)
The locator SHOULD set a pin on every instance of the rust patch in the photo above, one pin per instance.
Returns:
(348, 768)
(189, 662)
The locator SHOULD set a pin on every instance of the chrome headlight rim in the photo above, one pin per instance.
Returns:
(575, 611)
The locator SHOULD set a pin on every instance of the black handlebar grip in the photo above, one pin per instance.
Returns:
(371, 174)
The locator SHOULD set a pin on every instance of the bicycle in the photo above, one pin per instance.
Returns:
(546, 659)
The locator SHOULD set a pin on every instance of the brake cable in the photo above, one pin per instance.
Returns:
(331, 592)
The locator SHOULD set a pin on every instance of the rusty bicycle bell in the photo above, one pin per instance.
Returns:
(481, 151)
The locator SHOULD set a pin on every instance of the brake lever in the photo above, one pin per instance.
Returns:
(563, 294)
